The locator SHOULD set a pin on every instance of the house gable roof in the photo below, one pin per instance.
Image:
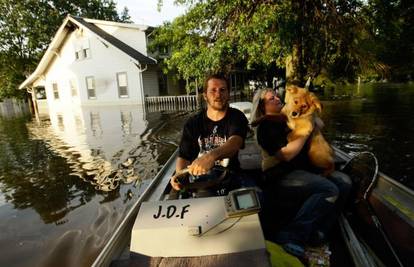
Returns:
(116, 42)
(67, 27)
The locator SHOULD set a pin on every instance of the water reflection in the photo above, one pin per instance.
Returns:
(376, 118)
(98, 143)
(67, 180)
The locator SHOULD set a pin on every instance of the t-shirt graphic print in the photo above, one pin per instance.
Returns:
(211, 142)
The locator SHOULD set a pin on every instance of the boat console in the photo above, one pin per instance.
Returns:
(199, 226)
(242, 202)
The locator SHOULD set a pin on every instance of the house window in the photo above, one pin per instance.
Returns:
(73, 89)
(82, 50)
(86, 53)
(90, 86)
(40, 93)
(122, 80)
(55, 90)
(77, 55)
(78, 52)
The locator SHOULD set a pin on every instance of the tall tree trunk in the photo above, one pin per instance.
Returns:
(294, 62)
(294, 66)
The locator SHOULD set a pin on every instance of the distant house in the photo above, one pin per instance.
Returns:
(95, 62)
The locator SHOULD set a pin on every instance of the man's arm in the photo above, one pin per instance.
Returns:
(203, 164)
(181, 164)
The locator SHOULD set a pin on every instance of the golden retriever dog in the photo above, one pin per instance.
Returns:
(302, 109)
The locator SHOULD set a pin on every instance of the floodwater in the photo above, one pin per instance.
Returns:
(66, 180)
(377, 118)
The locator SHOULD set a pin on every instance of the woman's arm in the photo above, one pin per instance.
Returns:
(271, 136)
(292, 149)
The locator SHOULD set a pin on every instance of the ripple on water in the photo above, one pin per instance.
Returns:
(75, 190)
(131, 163)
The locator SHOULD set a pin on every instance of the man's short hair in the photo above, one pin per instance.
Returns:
(218, 76)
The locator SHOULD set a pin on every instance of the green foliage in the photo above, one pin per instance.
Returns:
(217, 35)
(323, 81)
(309, 37)
(27, 27)
(392, 25)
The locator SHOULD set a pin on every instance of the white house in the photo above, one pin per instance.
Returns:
(95, 62)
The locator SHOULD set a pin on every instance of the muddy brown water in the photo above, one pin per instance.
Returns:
(68, 179)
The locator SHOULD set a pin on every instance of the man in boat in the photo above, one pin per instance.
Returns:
(212, 138)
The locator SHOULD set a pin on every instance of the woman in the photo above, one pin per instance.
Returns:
(317, 199)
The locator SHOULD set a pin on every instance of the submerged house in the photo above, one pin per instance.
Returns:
(95, 62)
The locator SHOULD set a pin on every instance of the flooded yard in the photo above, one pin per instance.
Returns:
(67, 179)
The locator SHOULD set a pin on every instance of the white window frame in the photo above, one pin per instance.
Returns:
(90, 89)
(55, 91)
(119, 86)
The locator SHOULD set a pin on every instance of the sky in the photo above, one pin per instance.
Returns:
(145, 11)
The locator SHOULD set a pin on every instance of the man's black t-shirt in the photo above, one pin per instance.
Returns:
(201, 134)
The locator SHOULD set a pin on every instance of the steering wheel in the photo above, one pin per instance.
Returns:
(180, 177)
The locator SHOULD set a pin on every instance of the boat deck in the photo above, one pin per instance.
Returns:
(250, 162)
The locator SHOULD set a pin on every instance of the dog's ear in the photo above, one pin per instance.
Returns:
(292, 89)
(315, 102)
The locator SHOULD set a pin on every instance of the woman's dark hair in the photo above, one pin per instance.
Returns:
(218, 76)
(258, 104)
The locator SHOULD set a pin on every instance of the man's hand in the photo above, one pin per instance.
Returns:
(175, 184)
(180, 165)
(202, 165)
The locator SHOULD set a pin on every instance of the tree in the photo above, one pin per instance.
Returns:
(392, 27)
(27, 27)
(125, 17)
(306, 38)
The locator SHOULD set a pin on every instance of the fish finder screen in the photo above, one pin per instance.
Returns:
(245, 201)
